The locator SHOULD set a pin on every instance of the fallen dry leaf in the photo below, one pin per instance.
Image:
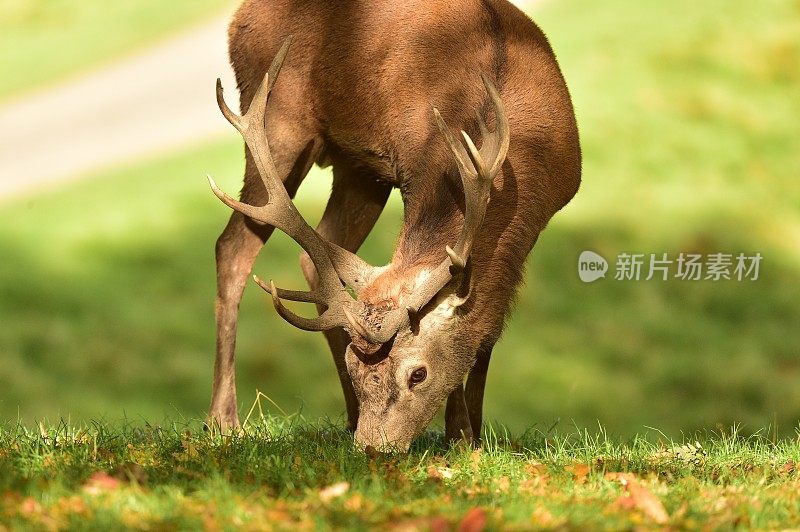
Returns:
(354, 503)
(536, 469)
(440, 473)
(276, 517)
(30, 506)
(624, 502)
(473, 521)
(100, 482)
(70, 505)
(333, 491)
(475, 460)
(502, 485)
(433, 524)
(638, 497)
(536, 483)
(535, 486)
(579, 471)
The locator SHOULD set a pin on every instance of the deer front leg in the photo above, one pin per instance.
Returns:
(236, 252)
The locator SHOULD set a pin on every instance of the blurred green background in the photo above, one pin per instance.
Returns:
(689, 120)
(44, 40)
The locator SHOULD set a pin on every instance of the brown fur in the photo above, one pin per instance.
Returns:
(356, 91)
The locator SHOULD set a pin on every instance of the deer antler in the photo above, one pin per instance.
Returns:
(477, 169)
(336, 265)
(332, 262)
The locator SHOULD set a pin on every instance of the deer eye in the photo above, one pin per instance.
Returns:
(417, 376)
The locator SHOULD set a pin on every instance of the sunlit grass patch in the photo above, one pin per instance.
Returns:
(289, 472)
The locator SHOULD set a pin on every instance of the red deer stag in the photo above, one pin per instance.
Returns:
(377, 89)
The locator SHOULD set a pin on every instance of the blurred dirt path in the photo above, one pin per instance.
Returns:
(154, 102)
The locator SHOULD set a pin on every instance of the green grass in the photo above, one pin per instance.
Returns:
(285, 473)
(42, 41)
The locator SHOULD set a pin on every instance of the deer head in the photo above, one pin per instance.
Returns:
(404, 358)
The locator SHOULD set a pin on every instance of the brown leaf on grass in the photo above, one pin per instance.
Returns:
(789, 467)
(624, 502)
(439, 473)
(473, 490)
(536, 483)
(439, 524)
(535, 486)
(354, 503)
(473, 521)
(391, 471)
(502, 484)
(475, 460)
(433, 524)
(100, 482)
(33, 510)
(536, 469)
(333, 491)
(30, 506)
(638, 497)
(579, 471)
(69, 505)
(10, 499)
(278, 517)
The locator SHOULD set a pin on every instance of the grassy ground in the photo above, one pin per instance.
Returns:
(286, 474)
(43, 40)
(689, 133)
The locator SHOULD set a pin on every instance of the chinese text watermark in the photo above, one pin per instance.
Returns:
(663, 266)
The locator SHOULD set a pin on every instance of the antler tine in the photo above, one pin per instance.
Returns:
(326, 321)
(496, 144)
(289, 295)
(252, 125)
(456, 148)
(475, 156)
(477, 180)
(280, 211)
